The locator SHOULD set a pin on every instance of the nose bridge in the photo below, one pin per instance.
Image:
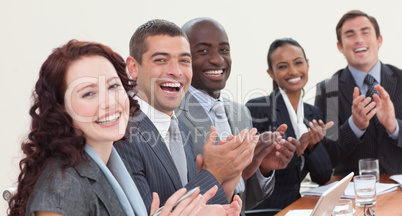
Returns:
(216, 58)
(174, 68)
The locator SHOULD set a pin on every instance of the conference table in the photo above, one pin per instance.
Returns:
(389, 204)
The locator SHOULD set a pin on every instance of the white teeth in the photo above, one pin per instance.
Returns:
(108, 119)
(294, 79)
(172, 85)
(214, 72)
(360, 49)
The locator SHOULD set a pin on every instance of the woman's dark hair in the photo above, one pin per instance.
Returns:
(52, 134)
(278, 43)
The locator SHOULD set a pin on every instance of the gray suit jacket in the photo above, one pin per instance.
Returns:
(334, 97)
(152, 166)
(82, 190)
(193, 115)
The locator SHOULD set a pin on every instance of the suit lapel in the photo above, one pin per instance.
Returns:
(101, 187)
(195, 114)
(346, 85)
(152, 137)
(389, 82)
(282, 114)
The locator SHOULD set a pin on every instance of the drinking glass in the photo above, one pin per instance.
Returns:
(343, 208)
(365, 190)
(369, 166)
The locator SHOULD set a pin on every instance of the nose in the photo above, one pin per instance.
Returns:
(216, 58)
(174, 69)
(292, 70)
(107, 99)
(359, 38)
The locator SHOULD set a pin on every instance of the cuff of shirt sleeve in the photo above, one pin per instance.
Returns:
(359, 133)
(394, 135)
(264, 181)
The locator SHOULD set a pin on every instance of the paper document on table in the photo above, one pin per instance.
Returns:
(381, 188)
(397, 178)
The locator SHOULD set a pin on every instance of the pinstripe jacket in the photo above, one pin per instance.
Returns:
(334, 97)
(152, 166)
(270, 112)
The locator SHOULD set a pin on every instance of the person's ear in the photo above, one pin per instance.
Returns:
(271, 74)
(379, 41)
(132, 66)
(339, 45)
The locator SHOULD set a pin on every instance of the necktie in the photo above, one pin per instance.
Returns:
(223, 129)
(369, 80)
(177, 150)
(221, 120)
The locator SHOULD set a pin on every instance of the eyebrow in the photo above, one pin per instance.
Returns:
(95, 84)
(210, 45)
(167, 54)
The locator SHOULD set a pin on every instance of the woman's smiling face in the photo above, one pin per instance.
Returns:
(96, 100)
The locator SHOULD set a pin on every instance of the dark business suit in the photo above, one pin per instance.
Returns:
(152, 165)
(80, 191)
(268, 114)
(197, 120)
(335, 97)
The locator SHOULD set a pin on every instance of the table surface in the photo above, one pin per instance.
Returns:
(389, 204)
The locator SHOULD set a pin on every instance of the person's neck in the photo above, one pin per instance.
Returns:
(294, 98)
(366, 68)
(103, 149)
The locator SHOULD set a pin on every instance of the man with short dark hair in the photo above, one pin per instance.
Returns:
(158, 149)
(363, 100)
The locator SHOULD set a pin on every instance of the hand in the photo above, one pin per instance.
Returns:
(266, 151)
(317, 132)
(280, 157)
(362, 109)
(192, 205)
(302, 143)
(229, 158)
(385, 109)
(230, 210)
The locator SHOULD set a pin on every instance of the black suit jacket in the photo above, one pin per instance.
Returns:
(335, 97)
(152, 166)
(269, 113)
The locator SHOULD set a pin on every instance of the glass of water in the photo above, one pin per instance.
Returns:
(369, 166)
(365, 190)
(343, 208)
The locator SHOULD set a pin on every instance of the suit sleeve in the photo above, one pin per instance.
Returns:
(340, 140)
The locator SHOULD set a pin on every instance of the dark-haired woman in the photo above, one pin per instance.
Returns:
(288, 67)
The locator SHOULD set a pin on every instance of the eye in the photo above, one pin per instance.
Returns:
(202, 51)
(282, 67)
(159, 60)
(116, 85)
(225, 50)
(299, 62)
(185, 60)
(88, 94)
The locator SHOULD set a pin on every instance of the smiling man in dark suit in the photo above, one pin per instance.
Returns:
(159, 147)
(211, 63)
(364, 128)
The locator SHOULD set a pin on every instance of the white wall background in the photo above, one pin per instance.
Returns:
(31, 29)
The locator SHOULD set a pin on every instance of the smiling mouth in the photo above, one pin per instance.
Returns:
(214, 73)
(109, 119)
(360, 49)
(293, 80)
(171, 87)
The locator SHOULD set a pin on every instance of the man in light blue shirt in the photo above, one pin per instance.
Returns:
(363, 100)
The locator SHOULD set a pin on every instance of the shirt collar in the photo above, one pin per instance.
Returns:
(206, 101)
(360, 75)
(159, 119)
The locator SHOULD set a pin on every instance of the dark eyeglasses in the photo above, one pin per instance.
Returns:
(370, 211)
